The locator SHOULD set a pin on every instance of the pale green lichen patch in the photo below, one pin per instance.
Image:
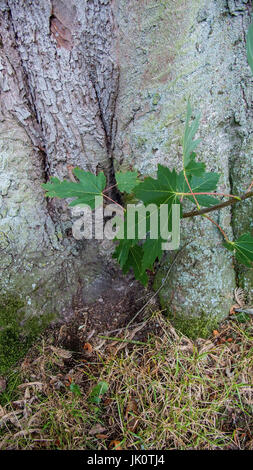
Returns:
(17, 331)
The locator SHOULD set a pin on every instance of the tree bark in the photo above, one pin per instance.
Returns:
(103, 85)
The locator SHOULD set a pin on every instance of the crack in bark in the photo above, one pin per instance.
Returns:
(30, 129)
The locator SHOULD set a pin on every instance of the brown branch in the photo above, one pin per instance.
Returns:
(206, 210)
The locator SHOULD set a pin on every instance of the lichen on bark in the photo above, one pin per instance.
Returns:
(103, 85)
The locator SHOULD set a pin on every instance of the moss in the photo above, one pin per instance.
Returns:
(194, 327)
(17, 331)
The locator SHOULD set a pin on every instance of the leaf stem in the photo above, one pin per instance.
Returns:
(107, 197)
(186, 179)
(110, 187)
(218, 226)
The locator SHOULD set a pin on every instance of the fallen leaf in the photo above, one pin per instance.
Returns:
(27, 394)
(115, 445)
(215, 333)
(232, 309)
(97, 429)
(132, 420)
(63, 353)
(62, 333)
(39, 385)
(88, 348)
(69, 381)
(102, 436)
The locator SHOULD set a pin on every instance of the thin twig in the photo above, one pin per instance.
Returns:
(121, 340)
(194, 213)
(210, 194)
(249, 311)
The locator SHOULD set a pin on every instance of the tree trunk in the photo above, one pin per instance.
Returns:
(103, 84)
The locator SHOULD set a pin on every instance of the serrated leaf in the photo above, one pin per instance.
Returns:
(243, 249)
(162, 190)
(250, 46)
(205, 200)
(84, 191)
(189, 144)
(205, 183)
(152, 249)
(122, 251)
(134, 261)
(195, 168)
(158, 191)
(127, 181)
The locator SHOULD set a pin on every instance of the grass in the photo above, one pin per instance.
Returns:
(169, 393)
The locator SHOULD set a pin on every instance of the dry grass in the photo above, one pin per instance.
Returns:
(170, 393)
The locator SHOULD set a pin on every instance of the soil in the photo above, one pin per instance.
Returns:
(110, 315)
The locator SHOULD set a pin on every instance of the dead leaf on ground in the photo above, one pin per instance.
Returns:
(232, 309)
(97, 429)
(87, 348)
(186, 345)
(38, 385)
(11, 417)
(63, 353)
(216, 333)
(115, 445)
(62, 333)
(131, 409)
(27, 394)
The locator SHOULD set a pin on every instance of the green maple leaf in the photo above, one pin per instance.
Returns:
(194, 168)
(127, 181)
(199, 184)
(243, 249)
(250, 46)
(122, 251)
(85, 191)
(134, 261)
(162, 190)
(152, 249)
(158, 191)
(205, 183)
